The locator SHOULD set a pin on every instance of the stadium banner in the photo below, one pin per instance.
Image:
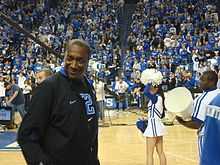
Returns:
(111, 103)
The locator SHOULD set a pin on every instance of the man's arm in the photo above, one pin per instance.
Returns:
(34, 124)
(12, 97)
(193, 124)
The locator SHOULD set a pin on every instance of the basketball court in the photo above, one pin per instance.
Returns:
(122, 144)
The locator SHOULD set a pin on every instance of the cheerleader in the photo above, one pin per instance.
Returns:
(155, 129)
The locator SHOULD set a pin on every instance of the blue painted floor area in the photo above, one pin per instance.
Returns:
(7, 139)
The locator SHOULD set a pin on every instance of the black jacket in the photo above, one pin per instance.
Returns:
(58, 129)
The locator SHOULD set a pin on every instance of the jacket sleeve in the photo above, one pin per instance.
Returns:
(34, 124)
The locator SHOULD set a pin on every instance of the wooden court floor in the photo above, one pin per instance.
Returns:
(122, 144)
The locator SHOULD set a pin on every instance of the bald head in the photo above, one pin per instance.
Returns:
(80, 43)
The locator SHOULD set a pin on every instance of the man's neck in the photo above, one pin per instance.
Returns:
(210, 89)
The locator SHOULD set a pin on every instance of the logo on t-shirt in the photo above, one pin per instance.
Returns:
(90, 110)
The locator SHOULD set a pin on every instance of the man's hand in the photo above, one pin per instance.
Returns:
(7, 103)
(189, 124)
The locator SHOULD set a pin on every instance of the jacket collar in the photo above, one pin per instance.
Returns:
(63, 72)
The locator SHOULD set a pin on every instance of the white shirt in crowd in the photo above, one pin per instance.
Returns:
(121, 87)
(21, 80)
(195, 63)
(2, 89)
(100, 90)
(137, 66)
(136, 75)
(27, 89)
(167, 42)
(218, 83)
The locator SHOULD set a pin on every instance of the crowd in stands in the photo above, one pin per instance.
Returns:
(181, 38)
(92, 20)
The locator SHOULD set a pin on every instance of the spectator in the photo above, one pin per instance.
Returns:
(2, 88)
(121, 88)
(15, 98)
(67, 113)
(42, 74)
(100, 95)
(27, 93)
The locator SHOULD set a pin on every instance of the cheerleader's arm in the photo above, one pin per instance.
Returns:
(151, 96)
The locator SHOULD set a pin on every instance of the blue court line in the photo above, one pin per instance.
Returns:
(7, 138)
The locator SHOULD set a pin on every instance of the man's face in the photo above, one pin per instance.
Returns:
(76, 62)
(40, 77)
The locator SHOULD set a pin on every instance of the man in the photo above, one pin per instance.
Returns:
(100, 95)
(42, 74)
(2, 88)
(121, 88)
(15, 98)
(136, 92)
(211, 143)
(208, 82)
(61, 127)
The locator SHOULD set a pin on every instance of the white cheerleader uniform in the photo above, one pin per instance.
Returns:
(155, 126)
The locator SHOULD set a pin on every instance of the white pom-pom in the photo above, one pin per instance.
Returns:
(151, 76)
